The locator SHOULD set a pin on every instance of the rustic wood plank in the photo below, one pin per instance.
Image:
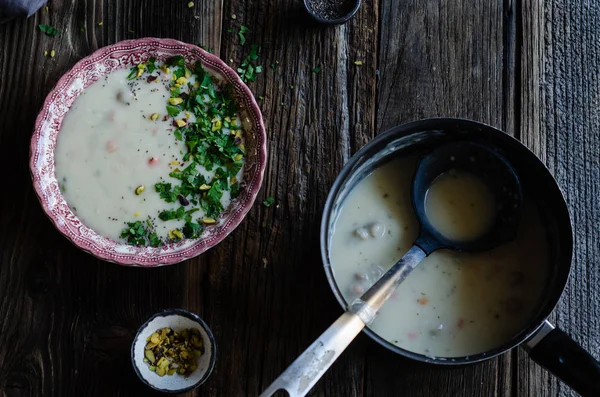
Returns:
(451, 60)
(441, 59)
(563, 130)
(270, 297)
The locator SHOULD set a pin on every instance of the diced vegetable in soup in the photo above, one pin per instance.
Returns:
(453, 304)
(151, 155)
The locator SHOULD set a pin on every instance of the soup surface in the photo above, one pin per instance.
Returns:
(151, 155)
(460, 206)
(453, 304)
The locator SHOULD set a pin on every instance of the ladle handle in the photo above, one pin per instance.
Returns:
(557, 352)
(309, 367)
(302, 374)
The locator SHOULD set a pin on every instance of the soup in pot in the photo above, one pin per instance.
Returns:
(454, 303)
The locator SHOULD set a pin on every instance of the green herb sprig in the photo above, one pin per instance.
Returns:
(48, 30)
(248, 69)
(136, 233)
(241, 34)
(212, 141)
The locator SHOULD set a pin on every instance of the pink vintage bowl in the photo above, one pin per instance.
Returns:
(47, 126)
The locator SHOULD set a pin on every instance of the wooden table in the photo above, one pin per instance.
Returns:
(531, 68)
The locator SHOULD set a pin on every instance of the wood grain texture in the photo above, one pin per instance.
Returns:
(444, 60)
(568, 139)
(67, 320)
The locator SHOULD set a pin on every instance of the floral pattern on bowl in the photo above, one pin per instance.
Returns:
(47, 126)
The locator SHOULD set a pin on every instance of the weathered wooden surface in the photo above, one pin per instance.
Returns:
(530, 68)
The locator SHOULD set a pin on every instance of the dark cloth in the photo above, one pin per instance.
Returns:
(10, 9)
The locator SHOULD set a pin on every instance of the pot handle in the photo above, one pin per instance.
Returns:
(557, 352)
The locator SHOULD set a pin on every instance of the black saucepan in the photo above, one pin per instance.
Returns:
(547, 345)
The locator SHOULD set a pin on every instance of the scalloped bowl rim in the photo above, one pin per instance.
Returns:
(41, 157)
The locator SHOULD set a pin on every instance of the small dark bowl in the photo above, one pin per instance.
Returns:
(175, 319)
(325, 21)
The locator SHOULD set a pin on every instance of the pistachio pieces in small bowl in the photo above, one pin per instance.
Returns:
(174, 351)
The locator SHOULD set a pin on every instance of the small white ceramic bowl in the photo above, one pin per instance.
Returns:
(176, 319)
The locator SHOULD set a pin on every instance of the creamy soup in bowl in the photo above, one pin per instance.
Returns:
(148, 152)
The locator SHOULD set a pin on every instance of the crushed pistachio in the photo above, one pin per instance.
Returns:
(358, 63)
(217, 125)
(168, 352)
(139, 190)
(191, 4)
(175, 101)
(175, 234)
(100, 23)
(52, 53)
(180, 123)
(204, 187)
(154, 116)
(209, 221)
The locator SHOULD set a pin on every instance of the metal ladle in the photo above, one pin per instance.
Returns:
(481, 161)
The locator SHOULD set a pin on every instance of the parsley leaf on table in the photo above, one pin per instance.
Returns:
(243, 30)
(48, 30)
(269, 201)
(248, 70)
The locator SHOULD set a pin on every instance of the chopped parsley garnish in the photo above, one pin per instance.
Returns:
(316, 70)
(136, 233)
(243, 30)
(177, 60)
(269, 201)
(205, 120)
(140, 69)
(48, 30)
(172, 110)
(248, 70)
(151, 65)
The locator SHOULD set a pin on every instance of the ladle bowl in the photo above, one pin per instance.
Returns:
(493, 170)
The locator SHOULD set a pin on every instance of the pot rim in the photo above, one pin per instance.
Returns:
(430, 125)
